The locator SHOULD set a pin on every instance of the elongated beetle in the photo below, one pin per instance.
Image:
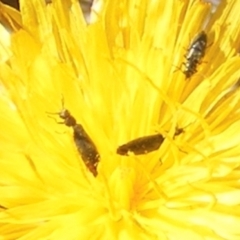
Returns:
(85, 145)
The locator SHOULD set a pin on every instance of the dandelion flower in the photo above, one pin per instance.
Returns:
(121, 78)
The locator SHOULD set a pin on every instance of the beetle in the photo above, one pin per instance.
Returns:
(84, 143)
(142, 145)
(194, 54)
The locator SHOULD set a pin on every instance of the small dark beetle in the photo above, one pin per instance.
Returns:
(194, 54)
(141, 145)
(145, 144)
(85, 145)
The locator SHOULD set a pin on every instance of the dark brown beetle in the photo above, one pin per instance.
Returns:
(141, 145)
(85, 145)
(145, 144)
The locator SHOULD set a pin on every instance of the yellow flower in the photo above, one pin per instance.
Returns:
(122, 78)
